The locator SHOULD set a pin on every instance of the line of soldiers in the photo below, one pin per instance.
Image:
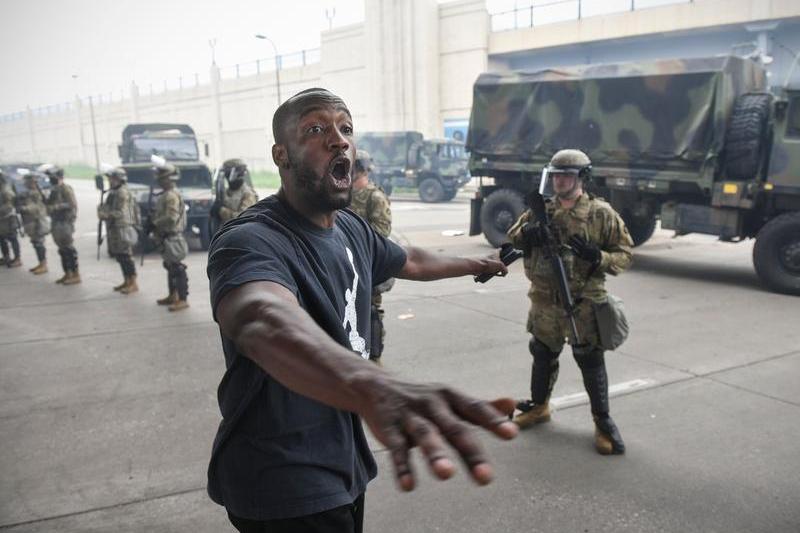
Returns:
(56, 213)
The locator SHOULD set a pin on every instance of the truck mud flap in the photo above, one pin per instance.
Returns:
(475, 205)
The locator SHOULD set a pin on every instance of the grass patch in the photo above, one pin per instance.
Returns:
(263, 179)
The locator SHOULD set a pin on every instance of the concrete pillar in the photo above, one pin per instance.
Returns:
(79, 127)
(31, 136)
(134, 102)
(215, 92)
(402, 54)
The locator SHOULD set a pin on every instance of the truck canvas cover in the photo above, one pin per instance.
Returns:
(655, 115)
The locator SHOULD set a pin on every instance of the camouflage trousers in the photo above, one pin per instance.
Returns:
(549, 325)
(62, 231)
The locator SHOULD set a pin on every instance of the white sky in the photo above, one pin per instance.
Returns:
(109, 43)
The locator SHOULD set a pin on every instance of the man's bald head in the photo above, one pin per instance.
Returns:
(289, 112)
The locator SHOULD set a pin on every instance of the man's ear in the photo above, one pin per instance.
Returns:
(281, 156)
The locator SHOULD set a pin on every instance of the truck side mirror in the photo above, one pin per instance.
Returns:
(98, 182)
(205, 149)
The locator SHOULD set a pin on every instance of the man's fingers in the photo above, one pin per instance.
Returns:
(484, 414)
(463, 439)
(504, 405)
(424, 434)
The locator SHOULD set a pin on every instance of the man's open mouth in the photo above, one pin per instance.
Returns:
(339, 171)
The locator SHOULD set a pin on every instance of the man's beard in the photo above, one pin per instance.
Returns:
(313, 188)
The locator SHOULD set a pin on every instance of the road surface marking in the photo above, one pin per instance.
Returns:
(618, 389)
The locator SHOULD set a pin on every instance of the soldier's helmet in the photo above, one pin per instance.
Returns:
(363, 161)
(50, 170)
(571, 161)
(167, 170)
(118, 172)
(238, 166)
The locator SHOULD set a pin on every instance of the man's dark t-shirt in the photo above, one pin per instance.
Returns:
(278, 454)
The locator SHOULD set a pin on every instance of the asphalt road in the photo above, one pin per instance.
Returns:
(108, 406)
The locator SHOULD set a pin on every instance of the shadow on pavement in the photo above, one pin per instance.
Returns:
(741, 276)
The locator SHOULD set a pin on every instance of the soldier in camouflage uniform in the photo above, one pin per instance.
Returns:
(239, 195)
(8, 223)
(594, 242)
(35, 221)
(371, 204)
(121, 216)
(63, 210)
(167, 222)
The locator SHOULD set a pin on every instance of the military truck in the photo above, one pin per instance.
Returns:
(697, 143)
(437, 168)
(177, 144)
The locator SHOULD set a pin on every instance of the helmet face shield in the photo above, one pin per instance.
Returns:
(550, 174)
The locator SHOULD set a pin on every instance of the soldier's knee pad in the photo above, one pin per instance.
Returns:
(588, 357)
(540, 350)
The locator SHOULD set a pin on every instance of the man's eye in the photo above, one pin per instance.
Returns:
(347, 130)
(314, 129)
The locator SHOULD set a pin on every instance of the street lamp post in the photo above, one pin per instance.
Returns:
(94, 131)
(277, 65)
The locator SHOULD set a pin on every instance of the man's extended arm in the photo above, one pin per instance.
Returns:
(422, 265)
(269, 327)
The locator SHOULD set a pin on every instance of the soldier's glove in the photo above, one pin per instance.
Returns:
(535, 235)
(586, 250)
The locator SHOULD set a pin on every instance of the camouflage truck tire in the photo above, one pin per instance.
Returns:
(431, 190)
(500, 210)
(747, 137)
(641, 229)
(776, 254)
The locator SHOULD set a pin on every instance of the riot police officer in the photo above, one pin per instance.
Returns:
(63, 210)
(167, 222)
(593, 242)
(9, 225)
(121, 216)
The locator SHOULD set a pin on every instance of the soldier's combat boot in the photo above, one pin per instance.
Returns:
(169, 299)
(39, 269)
(131, 285)
(544, 373)
(607, 439)
(119, 287)
(15, 263)
(73, 278)
(5, 261)
(63, 278)
(531, 414)
(179, 305)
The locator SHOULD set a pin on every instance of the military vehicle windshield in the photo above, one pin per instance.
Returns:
(170, 148)
(452, 151)
(196, 177)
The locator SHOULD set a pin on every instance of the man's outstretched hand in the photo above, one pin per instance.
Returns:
(434, 418)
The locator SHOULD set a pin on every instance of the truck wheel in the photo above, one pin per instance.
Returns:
(500, 210)
(450, 194)
(747, 136)
(776, 254)
(641, 229)
(431, 190)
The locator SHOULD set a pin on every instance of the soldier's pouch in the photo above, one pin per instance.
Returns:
(129, 235)
(44, 225)
(612, 324)
(175, 248)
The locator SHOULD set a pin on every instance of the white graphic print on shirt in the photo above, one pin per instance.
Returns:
(357, 342)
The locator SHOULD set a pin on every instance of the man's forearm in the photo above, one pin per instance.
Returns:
(422, 265)
(285, 342)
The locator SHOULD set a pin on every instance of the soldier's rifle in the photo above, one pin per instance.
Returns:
(148, 226)
(550, 250)
(100, 183)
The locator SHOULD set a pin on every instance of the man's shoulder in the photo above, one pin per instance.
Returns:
(601, 206)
